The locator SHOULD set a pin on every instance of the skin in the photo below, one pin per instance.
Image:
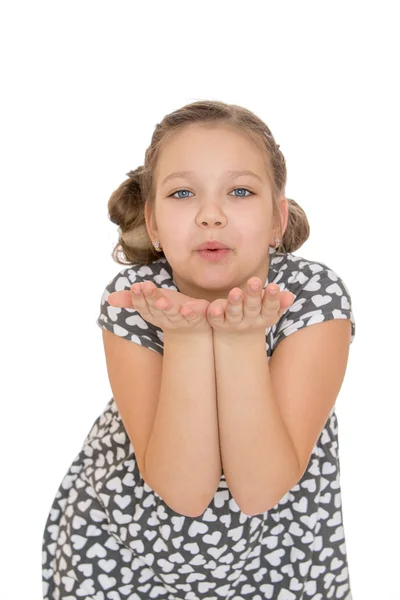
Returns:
(211, 209)
(212, 205)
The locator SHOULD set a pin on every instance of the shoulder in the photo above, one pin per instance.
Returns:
(320, 293)
(159, 272)
(127, 322)
(300, 275)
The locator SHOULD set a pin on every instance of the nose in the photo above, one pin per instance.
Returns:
(216, 223)
(210, 215)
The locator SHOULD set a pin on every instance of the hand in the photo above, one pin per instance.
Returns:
(168, 309)
(254, 311)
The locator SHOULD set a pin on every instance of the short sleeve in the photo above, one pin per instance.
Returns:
(320, 295)
(127, 322)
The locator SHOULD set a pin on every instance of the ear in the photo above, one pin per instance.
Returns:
(149, 218)
(284, 210)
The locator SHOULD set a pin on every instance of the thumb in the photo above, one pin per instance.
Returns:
(123, 299)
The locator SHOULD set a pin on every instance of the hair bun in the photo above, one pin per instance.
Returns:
(135, 174)
(127, 203)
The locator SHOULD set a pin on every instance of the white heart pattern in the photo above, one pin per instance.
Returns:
(109, 536)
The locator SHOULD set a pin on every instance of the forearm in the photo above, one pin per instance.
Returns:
(183, 456)
(258, 457)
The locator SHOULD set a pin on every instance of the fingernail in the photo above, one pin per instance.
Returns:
(136, 291)
(273, 292)
(255, 287)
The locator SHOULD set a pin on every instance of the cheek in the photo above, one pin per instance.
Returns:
(178, 243)
(255, 244)
(178, 229)
(255, 231)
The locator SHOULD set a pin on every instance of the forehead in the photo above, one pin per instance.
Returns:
(211, 149)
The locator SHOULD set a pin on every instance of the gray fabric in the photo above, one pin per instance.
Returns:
(110, 536)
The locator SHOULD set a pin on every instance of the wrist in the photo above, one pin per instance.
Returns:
(187, 335)
(246, 338)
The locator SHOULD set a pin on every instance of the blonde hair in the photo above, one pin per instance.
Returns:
(127, 202)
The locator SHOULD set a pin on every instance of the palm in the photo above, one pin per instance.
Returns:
(123, 299)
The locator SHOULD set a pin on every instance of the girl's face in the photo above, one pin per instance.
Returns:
(213, 204)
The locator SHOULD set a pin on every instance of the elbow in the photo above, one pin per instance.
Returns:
(255, 504)
(182, 505)
(258, 505)
(185, 509)
(187, 506)
(252, 509)
(185, 503)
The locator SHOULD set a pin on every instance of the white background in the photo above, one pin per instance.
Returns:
(83, 85)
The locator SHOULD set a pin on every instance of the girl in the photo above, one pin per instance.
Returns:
(213, 471)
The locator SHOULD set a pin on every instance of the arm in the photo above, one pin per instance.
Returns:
(183, 456)
(259, 459)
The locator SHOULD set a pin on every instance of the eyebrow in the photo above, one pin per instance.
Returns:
(191, 174)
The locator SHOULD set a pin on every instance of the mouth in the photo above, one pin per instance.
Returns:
(209, 246)
(213, 254)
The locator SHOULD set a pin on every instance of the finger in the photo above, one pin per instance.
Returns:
(189, 313)
(122, 299)
(272, 301)
(216, 310)
(159, 305)
(176, 314)
(272, 297)
(145, 299)
(284, 297)
(234, 305)
(272, 291)
(286, 300)
(186, 311)
(252, 299)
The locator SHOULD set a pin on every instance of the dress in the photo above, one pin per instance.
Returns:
(109, 536)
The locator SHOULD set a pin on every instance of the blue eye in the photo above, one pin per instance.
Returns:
(183, 198)
(172, 195)
(245, 189)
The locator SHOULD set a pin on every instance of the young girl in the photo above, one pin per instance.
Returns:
(213, 471)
